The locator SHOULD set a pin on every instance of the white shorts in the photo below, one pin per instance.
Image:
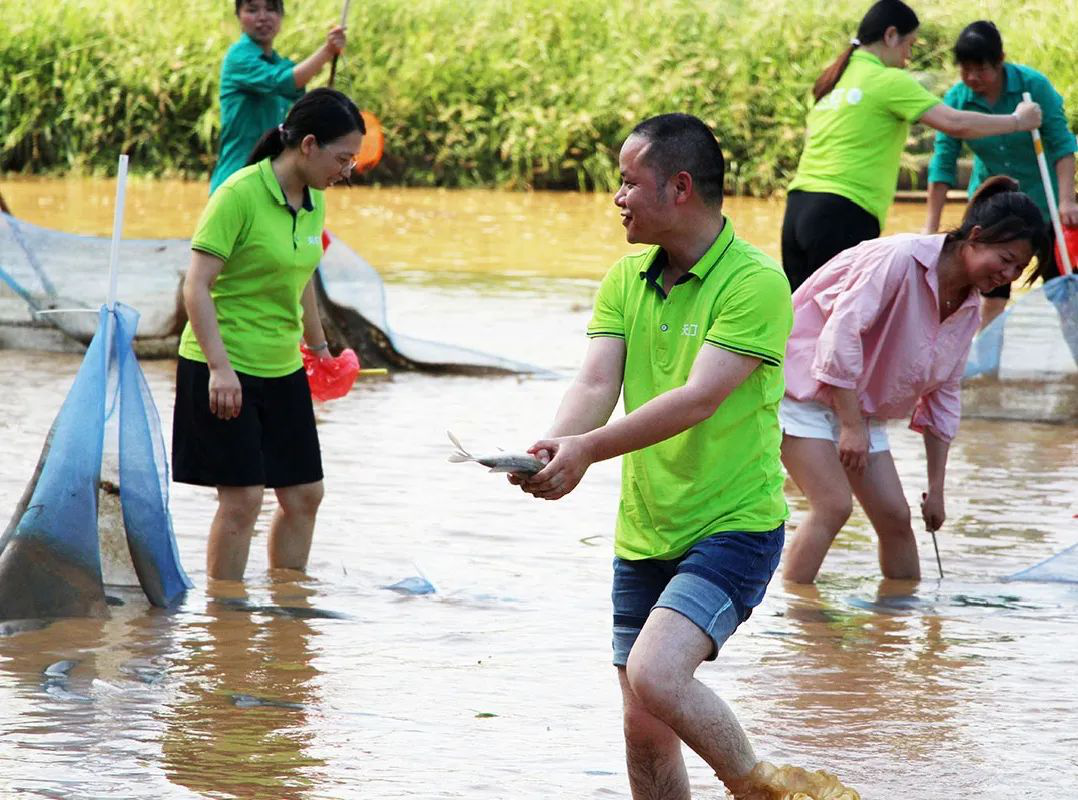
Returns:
(811, 420)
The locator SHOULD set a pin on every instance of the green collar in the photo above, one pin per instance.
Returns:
(865, 55)
(271, 57)
(652, 271)
(269, 178)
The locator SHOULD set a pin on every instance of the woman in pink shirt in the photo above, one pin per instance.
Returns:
(882, 332)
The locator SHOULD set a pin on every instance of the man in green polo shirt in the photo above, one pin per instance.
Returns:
(258, 86)
(694, 328)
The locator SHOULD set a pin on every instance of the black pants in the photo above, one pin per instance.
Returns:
(818, 226)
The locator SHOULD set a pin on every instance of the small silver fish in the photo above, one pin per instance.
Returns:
(524, 463)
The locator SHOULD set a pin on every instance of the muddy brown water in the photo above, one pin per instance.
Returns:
(498, 685)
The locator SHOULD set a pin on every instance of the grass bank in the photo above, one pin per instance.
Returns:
(518, 93)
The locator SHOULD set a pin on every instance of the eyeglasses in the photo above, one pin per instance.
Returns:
(344, 160)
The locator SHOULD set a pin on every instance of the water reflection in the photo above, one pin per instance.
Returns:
(240, 725)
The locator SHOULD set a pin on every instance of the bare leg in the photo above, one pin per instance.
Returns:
(231, 531)
(991, 307)
(652, 751)
(293, 525)
(879, 491)
(660, 678)
(815, 468)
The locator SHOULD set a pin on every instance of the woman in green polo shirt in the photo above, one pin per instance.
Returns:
(243, 419)
(865, 103)
(995, 86)
(258, 85)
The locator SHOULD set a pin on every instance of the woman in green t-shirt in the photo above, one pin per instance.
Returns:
(243, 419)
(865, 103)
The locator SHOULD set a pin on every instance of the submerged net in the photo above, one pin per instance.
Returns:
(1024, 365)
(51, 555)
(1060, 568)
(42, 269)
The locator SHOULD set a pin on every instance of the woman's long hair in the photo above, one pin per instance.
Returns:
(883, 15)
(323, 113)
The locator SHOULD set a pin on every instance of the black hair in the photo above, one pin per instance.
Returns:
(272, 5)
(1004, 214)
(323, 113)
(682, 142)
(979, 43)
(882, 15)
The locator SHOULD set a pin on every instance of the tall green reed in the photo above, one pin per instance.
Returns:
(514, 93)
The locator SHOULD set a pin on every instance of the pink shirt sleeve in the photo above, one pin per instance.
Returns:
(940, 410)
(850, 306)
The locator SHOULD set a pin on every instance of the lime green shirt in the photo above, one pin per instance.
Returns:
(722, 474)
(856, 134)
(270, 253)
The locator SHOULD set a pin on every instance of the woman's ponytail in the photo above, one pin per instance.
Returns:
(270, 145)
(884, 14)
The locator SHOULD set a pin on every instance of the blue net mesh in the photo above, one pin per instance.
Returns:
(1024, 365)
(1060, 568)
(42, 269)
(50, 559)
(1037, 337)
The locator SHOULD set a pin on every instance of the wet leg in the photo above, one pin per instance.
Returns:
(231, 531)
(879, 490)
(652, 751)
(660, 676)
(293, 525)
(815, 468)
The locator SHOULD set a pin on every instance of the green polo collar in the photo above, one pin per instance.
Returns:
(269, 178)
(865, 55)
(653, 271)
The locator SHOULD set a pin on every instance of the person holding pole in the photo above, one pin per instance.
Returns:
(258, 85)
(865, 103)
(243, 417)
(882, 332)
(990, 84)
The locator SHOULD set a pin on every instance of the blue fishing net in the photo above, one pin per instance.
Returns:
(50, 558)
(1036, 337)
(1024, 365)
(1060, 568)
(42, 269)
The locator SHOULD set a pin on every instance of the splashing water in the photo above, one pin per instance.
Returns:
(794, 783)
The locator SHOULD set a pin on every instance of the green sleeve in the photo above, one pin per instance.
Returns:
(221, 225)
(943, 166)
(754, 317)
(1055, 133)
(608, 316)
(905, 97)
(245, 71)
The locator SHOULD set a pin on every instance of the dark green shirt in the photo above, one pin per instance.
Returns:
(1012, 153)
(256, 92)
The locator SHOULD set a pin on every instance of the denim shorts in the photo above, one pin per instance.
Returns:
(715, 584)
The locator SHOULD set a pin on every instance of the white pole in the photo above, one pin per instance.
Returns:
(1053, 209)
(117, 226)
(114, 255)
(344, 14)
